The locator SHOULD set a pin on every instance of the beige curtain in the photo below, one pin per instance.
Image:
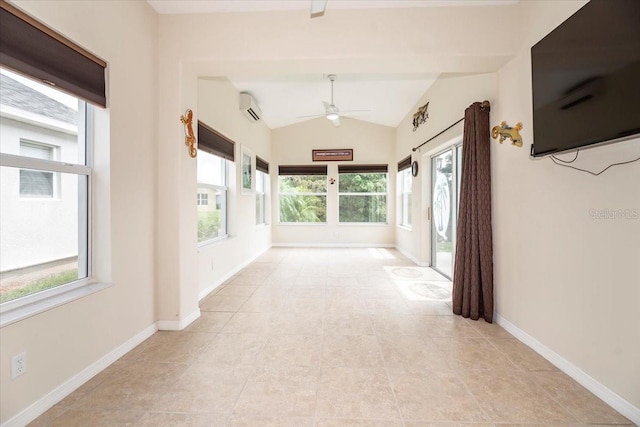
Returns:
(473, 271)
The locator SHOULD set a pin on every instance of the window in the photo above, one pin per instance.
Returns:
(303, 194)
(203, 199)
(262, 184)
(36, 183)
(212, 186)
(44, 241)
(404, 191)
(362, 193)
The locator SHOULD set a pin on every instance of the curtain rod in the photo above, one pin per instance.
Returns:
(485, 105)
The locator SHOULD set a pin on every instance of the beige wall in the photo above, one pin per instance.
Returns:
(371, 144)
(448, 97)
(65, 340)
(563, 277)
(218, 106)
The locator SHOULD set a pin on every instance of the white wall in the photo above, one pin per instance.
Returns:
(448, 97)
(372, 144)
(565, 278)
(218, 107)
(63, 341)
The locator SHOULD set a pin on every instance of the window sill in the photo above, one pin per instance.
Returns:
(404, 227)
(298, 224)
(37, 306)
(363, 224)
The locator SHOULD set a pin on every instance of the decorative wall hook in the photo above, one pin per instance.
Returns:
(189, 137)
(420, 116)
(505, 131)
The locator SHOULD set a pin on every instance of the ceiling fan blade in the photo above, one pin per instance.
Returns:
(336, 121)
(354, 111)
(310, 115)
(318, 7)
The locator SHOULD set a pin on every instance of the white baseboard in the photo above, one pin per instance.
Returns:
(39, 407)
(206, 291)
(411, 257)
(607, 395)
(178, 325)
(333, 245)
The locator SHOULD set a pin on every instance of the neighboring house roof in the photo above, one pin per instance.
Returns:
(15, 94)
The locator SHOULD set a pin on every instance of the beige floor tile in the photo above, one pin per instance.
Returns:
(473, 353)
(237, 291)
(430, 308)
(233, 349)
(349, 422)
(271, 291)
(343, 281)
(97, 418)
(379, 292)
(392, 306)
(435, 396)
(389, 324)
(356, 351)
(204, 387)
(355, 393)
(304, 305)
(447, 326)
(431, 424)
(582, 404)
(48, 417)
(262, 421)
(406, 354)
(263, 304)
(171, 347)
(155, 419)
(522, 356)
(247, 280)
(337, 306)
(222, 303)
(291, 350)
(285, 391)
(489, 330)
(309, 281)
(210, 321)
(249, 323)
(513, 397)
(315, 292)
(348, 324)
(298, 323)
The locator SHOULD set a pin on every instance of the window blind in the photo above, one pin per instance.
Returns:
(262, 165)
(404, 163)
(362, 168)
(214, 142)
(29, 47)
(303, 170)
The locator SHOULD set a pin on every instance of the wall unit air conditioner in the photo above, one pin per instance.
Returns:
(249, 107)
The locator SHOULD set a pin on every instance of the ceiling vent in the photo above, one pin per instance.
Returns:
(249, 107)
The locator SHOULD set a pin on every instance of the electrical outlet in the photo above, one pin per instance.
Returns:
(18, 364)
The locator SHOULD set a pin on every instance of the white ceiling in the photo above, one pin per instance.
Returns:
(284, 98)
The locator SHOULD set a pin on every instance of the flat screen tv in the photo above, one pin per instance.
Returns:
(586, 79)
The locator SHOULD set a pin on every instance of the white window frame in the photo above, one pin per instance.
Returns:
(225, 201)
(29, 305)
(325, 194)
(203, 199)
(405, 191)
(386, 194)
(261, 198)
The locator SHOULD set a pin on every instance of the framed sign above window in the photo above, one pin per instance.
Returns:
(332, 155)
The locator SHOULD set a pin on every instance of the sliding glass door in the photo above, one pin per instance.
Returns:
(445, 195)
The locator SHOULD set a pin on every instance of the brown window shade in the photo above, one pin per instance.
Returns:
(404, 163)
(303, 170)
(31, 48)
(214, 142)
(261, 165)
(362, 168)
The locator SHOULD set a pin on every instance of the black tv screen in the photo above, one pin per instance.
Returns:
(586, 78)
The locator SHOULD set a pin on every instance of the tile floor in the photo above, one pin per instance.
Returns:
(331, 337)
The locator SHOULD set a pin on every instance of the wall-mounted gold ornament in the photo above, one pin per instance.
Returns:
(189, 137)
(420, 116)
(504, 131)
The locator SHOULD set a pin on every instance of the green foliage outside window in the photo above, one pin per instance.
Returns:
(298, 203)
(365, 205)
(208, 225)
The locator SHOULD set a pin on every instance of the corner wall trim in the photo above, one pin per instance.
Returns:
(40, 406)
(178, 325)
(607, 395)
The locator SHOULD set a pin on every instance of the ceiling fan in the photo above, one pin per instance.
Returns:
(332, 113)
